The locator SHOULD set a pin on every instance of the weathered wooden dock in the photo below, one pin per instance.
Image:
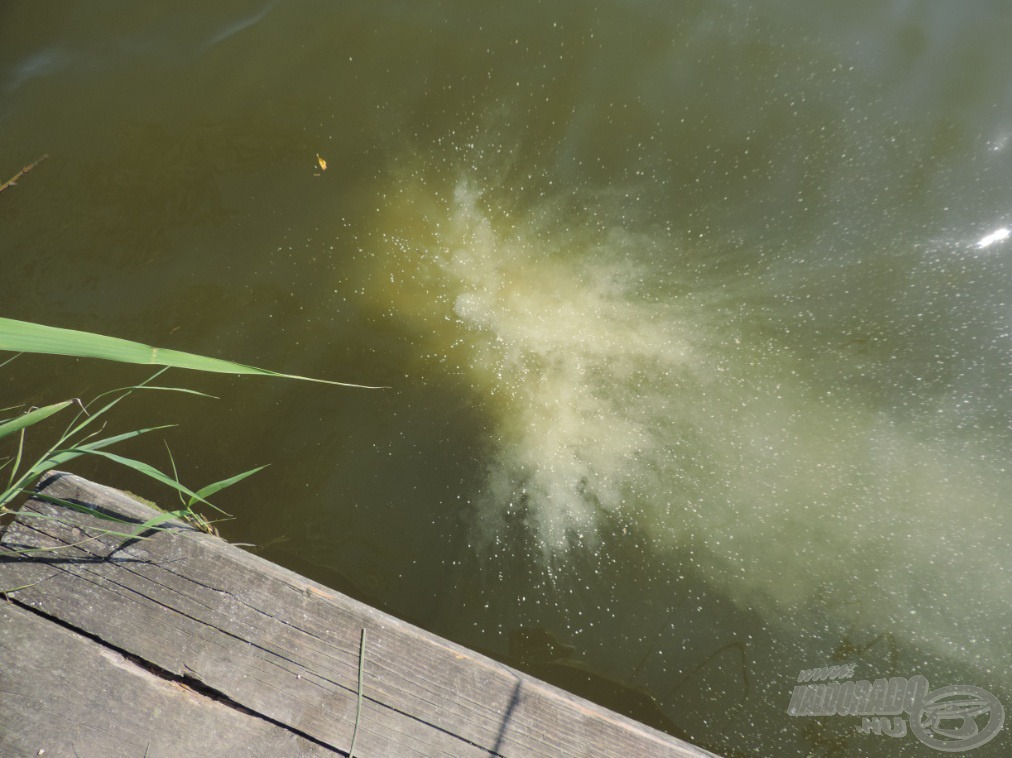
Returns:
(180, 644)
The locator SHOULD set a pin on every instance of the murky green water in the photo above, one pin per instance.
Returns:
(696, 318)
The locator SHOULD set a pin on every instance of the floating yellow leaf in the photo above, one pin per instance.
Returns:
(323, 163)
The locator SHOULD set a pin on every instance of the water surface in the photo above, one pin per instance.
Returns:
(695, 318)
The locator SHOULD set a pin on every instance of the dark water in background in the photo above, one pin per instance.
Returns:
(695, 315)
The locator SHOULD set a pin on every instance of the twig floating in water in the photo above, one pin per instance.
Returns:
(14, 179)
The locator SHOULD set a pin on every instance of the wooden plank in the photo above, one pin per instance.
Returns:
(63, 694)
(288, 648)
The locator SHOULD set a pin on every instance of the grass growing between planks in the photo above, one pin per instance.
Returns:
(84, 433)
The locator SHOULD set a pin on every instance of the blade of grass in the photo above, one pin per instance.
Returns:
(17, 459)
(175, 472)
(90, 418)
(210, 489)
(358, 706)
(19, 425)
(150, 471)
(60, 520)
(62, 456)
(5, 592)
(192, 516)
(151, 523)
(71, 505)
(182, 390)
(161, 518)
(32, 417)
(26, 337)
(55, 457)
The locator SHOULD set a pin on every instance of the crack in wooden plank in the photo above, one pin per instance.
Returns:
(202, 623)
(214, 628)
(196, 686)
(124, 565)
(245, 604)
(82, 570)
(88, 576)
(146, 560)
